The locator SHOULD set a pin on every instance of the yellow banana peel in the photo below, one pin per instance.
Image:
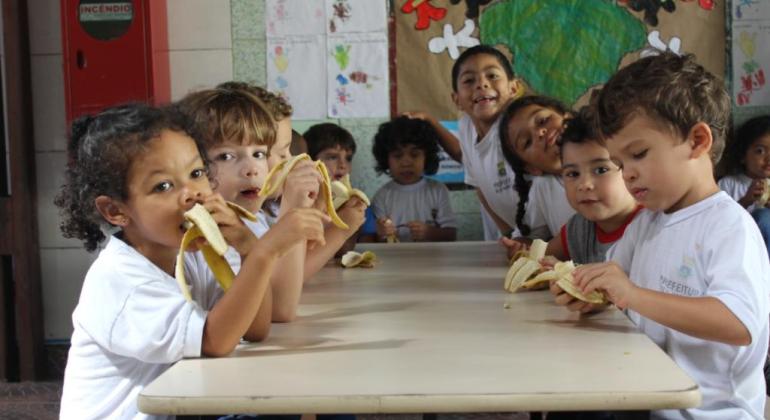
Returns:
(765, 197)
(351, 259)
(201, 224)
(526, 264)
(277, 176)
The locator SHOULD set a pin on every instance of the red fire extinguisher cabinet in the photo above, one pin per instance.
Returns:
(115, 51)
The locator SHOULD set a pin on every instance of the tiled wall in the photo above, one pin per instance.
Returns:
(210, 41)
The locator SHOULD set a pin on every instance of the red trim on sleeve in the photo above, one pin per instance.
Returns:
(563, 238)
(610, 237)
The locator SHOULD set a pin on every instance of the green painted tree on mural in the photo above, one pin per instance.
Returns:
(563, 47)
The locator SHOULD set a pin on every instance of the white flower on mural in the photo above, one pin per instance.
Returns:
(657, 45)
(451, 42)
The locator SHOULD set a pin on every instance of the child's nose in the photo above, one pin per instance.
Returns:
(250, 169)
(192, 195)
(585, 183)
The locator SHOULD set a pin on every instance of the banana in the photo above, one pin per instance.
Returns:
(765, 197)
(342, 191)
(525, 265)
(277, 177)
(563, 273)
(199, 223)
(355, 259)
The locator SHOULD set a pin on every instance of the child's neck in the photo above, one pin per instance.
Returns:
(702, 186)
(161, 256)
(621, 218)
(482, 128)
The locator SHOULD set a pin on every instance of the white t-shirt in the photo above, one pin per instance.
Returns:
(736, 186)
(547, 208)
(712, 248)
(131, 323)
(261, 226)
(426, 200)
(486, 169)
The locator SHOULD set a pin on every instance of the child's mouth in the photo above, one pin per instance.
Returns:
(250, 194)
(484, 100)
(639, 193)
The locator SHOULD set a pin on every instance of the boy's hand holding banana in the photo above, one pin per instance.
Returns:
(278, 175)
(764, 198)
(301, 187)
(527, 272)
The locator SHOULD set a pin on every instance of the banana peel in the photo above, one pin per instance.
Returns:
(277, 176)
(351, 259)
(765, 197)
(526, 265)
(342, 191)
(201, 224)
(562, 273)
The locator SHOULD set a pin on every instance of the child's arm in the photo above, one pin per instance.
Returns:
(448, 141)
(300, 191)
(505, 229)
(352, 213)
(239, 312)
(702, 317)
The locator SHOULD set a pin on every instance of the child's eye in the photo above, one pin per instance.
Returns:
(760, 150)
(197, 173)
(262, 155)
(225, 156)
(601, 170)
(571, 174)
(467, 80)
(640, 155)
(349, 158)
(162, 186)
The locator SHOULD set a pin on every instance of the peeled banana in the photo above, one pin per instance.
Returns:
(342, 191)
(526, 264)
(201, 224)
(765, 197)
(277, 177)
(355, 259)
(562, 273)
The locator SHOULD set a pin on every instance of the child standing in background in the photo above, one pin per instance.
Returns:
(139, 169)
(749, 170)
(530, 128)
(691, 270)
(411, 207)
(238, 132)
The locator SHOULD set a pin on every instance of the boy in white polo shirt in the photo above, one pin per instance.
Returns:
(691, 269)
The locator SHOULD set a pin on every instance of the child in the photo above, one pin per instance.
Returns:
(691, 269)
(411, 207)
(749, 167)
(595, 189)
(482, 85)
(335, 147)
(138, 169)
(529, 131)
(238, 132)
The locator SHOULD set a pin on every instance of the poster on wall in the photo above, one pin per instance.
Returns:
(329, 58)
(290, 62)
(559, 48)
(450, 171)
(357, 75)
(750, 52)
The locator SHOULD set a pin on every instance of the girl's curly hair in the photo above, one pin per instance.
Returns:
(402, 131)
(521, 183)
(101, 150)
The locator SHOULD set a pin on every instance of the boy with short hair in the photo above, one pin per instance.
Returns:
(691, 269)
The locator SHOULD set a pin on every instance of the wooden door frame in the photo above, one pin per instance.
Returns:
(18, 211)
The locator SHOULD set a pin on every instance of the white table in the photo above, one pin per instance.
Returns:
(430, 329)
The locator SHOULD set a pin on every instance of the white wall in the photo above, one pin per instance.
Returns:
(200, 55)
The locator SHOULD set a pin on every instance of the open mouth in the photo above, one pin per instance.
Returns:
(484, 99)
(588, 201)
(338, 177)
(250, 194)
(639, 193)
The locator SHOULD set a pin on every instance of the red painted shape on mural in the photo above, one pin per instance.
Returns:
(425, 12)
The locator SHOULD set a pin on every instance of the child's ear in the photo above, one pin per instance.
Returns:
(456, 100)
(700, 140)
(111, 210)
(517, 89)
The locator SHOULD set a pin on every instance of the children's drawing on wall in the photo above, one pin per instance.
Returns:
(355, 16)
(474, 7)
(751, 52)
(292, 17)
(425, 11)
(554, 50)
(289, 60)
(357, 75)
(655, 45)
